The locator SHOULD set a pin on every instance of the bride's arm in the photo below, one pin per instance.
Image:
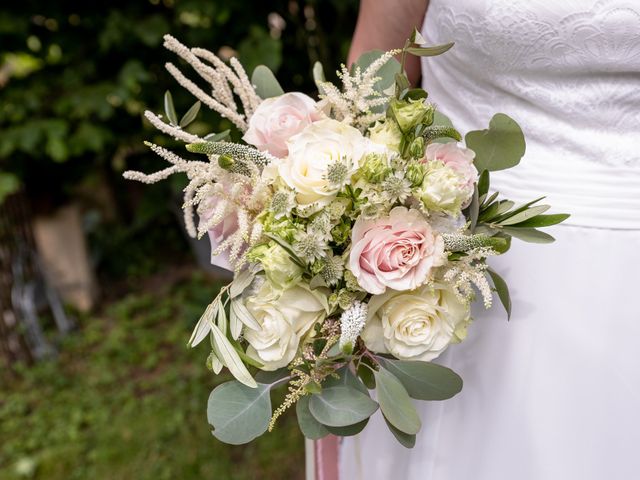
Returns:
(385, 25)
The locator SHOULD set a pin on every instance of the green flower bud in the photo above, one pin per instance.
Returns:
(375, 168)
(226, 162)
(416, 149)
(410, 113)
(415, 172)
(341, 232)
(386, 133)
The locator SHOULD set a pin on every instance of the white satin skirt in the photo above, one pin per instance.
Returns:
(553, 394)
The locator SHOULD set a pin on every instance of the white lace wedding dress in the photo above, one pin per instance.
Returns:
(554, 394)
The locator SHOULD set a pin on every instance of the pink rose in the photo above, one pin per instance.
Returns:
(277, 119)
(456, 157)
(397, 251)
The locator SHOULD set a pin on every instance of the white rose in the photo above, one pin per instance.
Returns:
(416, 325)
(444, 189)
(284, 318)
(277, 119)
(313, 150)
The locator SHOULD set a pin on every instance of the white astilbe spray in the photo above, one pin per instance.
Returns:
(217, 195)
(352, 322)
(222, 80)
(358, 97)
(468, 271)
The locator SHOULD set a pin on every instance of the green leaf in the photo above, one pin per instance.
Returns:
(318, 77)
(272, 376)
(266, 83)
(518, 209)
(216, 137)
(425, 380)
(347, 378)
(240, 282)
(169, 109)
(483, 183)
(499, 147)
(440, 118)
(341, 406)
(240, 311)
(228, 355)
(213, 363)
(405, 439)
(349, 430)
(502, 290)
(474, 209)
(429, 51)
(235, 325)
(530, 235)
(203, 327)
(191, 114)
(395, 403)
(238, 413)
(310, 427)
(544, 220)
(366, 375)
(9, 183)
(525, 215)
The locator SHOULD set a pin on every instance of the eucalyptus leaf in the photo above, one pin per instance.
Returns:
(310, 427)
(238, 413)
(273, 376)
(525, 215)
(499, 147)
(265, 82)
(440, 118)
(395, 403)
(169, 109)
(366, 375)
(346, 378)
(502, 290)
(349, 430)
(341, 406)
(405, 439)
(425, 380)
(191, 114)
(544, 220)
(429, 51)
(530, 235)
(228, 355)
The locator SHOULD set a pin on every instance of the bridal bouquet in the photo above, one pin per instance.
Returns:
(358, 228)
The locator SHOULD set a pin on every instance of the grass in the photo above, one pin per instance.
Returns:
(126, 399)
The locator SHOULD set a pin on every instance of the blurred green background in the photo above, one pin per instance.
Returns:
(123, 397)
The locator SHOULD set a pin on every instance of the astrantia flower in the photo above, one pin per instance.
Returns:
(396, 188)
(332, 269)
(309, 246)
(282, 202)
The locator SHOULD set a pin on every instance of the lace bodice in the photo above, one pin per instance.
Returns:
(567, 70)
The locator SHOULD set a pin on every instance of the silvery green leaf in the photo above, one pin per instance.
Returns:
(429, 51)
(349, 430)
(341, 406)
(240, 282)
(530, 235)
(318, 77)
(213, 363)
(502, 290)
(238, 413)
(203, 327)
(191, 114)
(216, 137)
(221, 319)
(525, 215)
(317, 281)
(518, 209)
(504, 206)
(425, 380)
(228, 355)
(499, 147)
(239, 310)
(543, 220)
(395, 403)
(416, 37)
(235, 325)
(405, 439)
(474, 209)
(483, 182)
(169, 109)
(265, 82)
(345, 378)
(309, 426)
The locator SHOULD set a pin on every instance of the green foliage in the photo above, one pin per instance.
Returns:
(239, 413)
(126, 400)
(425, 380)
(395, 403)
(266, 83)
(502, 290)
(310, 427)
(499, 147)
(341, 406)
